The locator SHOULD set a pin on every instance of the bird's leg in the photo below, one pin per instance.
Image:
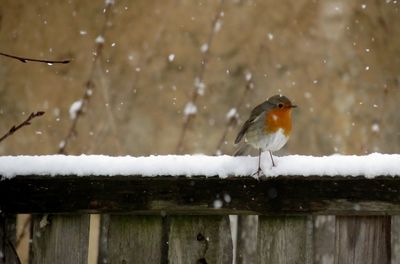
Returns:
(259, 166)
(273, 163)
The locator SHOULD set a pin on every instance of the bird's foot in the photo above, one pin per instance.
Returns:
(258, 174)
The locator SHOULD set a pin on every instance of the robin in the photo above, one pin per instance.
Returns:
(268, 127)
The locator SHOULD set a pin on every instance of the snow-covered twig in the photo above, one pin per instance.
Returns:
(27, 122)
(232, 115)
(75, 111)
(25, 60)
(199, 85)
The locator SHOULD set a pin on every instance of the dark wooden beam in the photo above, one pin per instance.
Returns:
(289, 195)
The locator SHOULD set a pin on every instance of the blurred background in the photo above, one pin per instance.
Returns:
(338, 60)
(138, 65)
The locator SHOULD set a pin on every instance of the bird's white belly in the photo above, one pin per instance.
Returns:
(272, 142)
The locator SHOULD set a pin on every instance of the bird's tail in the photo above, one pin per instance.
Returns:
(241, 150)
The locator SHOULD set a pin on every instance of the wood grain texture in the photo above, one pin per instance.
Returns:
(247, 239)
(200, 239)
(196, 195)
(324, 239)
(134, 239)
(363, 240)
(283, 240)
(8, 254)
(395, 239)
(60, 239)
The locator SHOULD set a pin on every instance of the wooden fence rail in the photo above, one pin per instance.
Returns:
(185, 219)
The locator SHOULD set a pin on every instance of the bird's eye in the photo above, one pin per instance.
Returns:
(280, 105)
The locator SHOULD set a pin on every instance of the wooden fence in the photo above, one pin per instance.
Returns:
(185, 220)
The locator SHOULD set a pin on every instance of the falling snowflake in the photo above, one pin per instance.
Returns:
(171, 57)
(375, 128)
(204, 48)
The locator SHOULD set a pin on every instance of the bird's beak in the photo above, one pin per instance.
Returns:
(293, 106)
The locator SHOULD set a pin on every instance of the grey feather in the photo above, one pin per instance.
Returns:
(255, 114)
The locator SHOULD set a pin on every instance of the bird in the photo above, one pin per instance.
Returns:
(268, 128)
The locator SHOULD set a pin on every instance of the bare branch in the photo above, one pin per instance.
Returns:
(25, 60)
(232, 119)
(200, 78)
(89, 85)
(27, 122)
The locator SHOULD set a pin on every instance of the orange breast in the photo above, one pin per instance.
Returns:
(279, 118)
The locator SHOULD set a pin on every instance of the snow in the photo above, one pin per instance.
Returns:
(100, 39)
(191, 165)
(232, 113)
(190, 109)
(248, 76)
(199, 85)
(74, 108)
(171, 57)
(217, 26)
(375, 128)
(204, 48)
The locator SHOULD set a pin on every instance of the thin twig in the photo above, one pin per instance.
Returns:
(110, 114)
(27, 122)
(25, 60)
(200, 78)
(89, 85)
(233, 118)
(232, 121)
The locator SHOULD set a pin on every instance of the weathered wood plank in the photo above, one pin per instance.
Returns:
(196, 195)
(134, 239)
(23, 243)
(363, 239)
(60, 239)
(246, 248)
(395, 233)
(94, 239)
(103, 243)
(283, 240)
(8, 254)
(324, 239)
(200, 239)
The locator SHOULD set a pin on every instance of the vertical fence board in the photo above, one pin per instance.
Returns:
(23, 233)
(363, 239)
(94, 239)
(283, 239)
(247, 239)
(134, 239)
(60, 239)
(8, 239)
(200, 239)
(103, 240)
(395, 233)
(324, 239)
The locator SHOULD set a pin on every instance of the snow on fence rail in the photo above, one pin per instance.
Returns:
(175, 208)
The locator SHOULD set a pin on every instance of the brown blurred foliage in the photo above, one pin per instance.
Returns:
(338, 60)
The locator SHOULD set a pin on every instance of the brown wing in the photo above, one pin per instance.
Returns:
(256, 112)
